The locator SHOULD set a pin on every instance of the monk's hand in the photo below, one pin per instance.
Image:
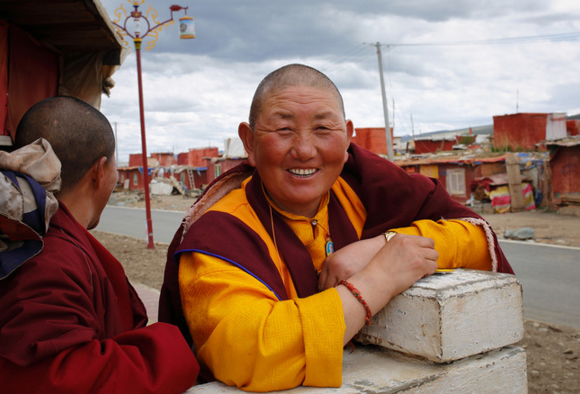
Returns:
(400, 263)
(347, 261)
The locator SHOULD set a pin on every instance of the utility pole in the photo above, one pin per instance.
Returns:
(385, 104)
(393, 100)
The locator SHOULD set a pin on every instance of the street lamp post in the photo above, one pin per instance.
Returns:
(186, 31)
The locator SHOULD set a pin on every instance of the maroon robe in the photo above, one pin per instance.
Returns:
(71, 322)
(391, 197)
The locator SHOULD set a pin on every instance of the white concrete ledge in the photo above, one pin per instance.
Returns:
(451, 316)
(374, 370)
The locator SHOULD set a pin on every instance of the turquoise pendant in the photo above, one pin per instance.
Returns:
(329, 248)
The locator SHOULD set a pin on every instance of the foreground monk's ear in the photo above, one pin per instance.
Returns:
(349, 133)
(246, 134)
(98, 171)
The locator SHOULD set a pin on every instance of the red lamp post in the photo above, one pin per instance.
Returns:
(187, 30)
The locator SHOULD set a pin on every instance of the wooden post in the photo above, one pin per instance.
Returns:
(512, 165)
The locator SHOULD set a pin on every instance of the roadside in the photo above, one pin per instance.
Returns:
(549, 227)
(553, 352)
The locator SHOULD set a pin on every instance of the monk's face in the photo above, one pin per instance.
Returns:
(107, 186)
(298, 146)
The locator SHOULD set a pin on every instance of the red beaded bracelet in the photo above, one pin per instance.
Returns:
(356, 293)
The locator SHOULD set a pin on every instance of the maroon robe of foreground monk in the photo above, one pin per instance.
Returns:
(70, 322)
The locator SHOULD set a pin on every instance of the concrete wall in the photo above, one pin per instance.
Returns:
(450, 333)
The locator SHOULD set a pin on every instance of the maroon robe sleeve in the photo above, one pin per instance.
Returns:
(61, 330)
(148, 360)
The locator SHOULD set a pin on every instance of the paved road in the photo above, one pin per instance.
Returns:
(550, 275)
(133, 222)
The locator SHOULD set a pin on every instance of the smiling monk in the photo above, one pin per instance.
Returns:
(285, 258)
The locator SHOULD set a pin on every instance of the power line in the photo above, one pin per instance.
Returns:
(342, 61)
(498, 41)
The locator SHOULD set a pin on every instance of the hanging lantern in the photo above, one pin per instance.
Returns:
(186, 27)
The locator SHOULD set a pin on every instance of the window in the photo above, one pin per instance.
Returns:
(217, 170)
(135, 179)
(455, 182)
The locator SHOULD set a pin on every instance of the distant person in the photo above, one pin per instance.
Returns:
(70, 322)
(267, 302)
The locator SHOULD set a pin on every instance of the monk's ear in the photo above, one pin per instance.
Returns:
(349, 133)
(246, 134)
(98, 172)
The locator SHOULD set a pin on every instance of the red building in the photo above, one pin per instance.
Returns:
(521, 132)
(565, 165)
(136, 160)
(49, 48)
(164, 159)
(185, 174)
(433, 145)
(373, 139)
(573, 127)
(196, 157)
(130, 178)
(456, 174)
(217, 166)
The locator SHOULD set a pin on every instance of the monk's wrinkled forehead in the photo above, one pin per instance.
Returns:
(280, 100)
(294, 75)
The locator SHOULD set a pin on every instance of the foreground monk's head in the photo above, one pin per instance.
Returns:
(297, 137)
(83, 140)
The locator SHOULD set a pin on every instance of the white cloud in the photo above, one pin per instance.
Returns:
(197, 91)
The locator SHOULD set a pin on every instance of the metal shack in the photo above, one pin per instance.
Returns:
(53, 47)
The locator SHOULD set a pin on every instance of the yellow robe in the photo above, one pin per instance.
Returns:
(251, 340)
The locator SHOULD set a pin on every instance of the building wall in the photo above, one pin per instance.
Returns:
(373, 139)
(199, 177)
(487, 169)
(565, 165)
(165, 159)
(428, 146)
(135, 160)
(134, 176)
(468, 175)
(573, 127)
(441, 171)
(519, 132)
(195, 157)
(217, 167)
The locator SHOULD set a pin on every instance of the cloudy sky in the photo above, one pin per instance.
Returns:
(448, 64)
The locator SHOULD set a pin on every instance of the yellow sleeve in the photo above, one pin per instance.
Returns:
(460, 244)
(250, 339)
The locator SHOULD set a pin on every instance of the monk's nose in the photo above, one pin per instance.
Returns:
(303, 147)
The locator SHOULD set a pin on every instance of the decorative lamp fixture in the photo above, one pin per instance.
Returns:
(186, 27)
(186, 30)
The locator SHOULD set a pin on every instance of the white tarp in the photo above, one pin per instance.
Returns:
(556, 126)
(160, 188)
(234, 148)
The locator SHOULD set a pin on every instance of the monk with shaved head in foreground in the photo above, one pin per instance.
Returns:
(285, 258)
(70, 322)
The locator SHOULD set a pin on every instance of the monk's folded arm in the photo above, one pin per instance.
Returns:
(250, 339)
(460, 244)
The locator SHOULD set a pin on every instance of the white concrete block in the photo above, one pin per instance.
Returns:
(451, 316)
(373, 370)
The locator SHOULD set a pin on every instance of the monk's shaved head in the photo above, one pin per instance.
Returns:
(78, 133)
(290, 76)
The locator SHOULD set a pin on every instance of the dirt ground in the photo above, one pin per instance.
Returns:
(553, 352)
